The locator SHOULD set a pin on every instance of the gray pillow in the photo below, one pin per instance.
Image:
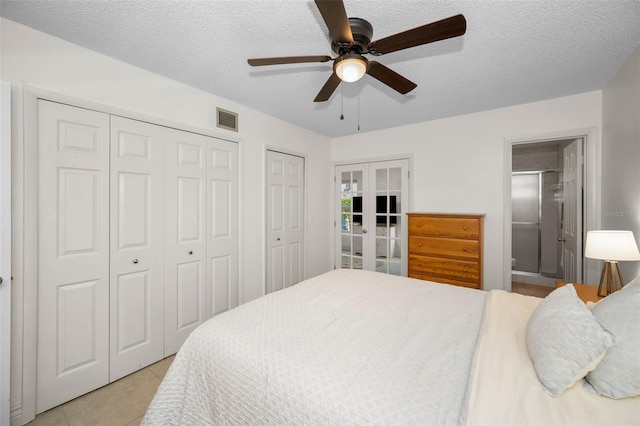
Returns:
(618, 374)
(564, 340)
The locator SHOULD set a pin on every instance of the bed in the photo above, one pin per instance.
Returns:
(357, 347)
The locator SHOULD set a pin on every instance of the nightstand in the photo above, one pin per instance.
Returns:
(586, 292)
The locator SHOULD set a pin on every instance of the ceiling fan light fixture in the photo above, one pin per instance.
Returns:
(351, 68)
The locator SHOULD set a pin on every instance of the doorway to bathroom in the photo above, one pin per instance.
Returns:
(547, 212)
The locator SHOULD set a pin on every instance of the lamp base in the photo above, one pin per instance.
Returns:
(610, 280)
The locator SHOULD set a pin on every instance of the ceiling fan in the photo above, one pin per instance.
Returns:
(351, 39)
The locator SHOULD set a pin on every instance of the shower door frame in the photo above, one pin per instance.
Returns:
(592, 200)
(539, 223)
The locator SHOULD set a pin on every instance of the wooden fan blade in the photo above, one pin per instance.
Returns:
(435, 31)
(257, 62)
(390, 78)
(329, 87)
(335, 17)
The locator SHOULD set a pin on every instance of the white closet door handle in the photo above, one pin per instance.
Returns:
(135, 260)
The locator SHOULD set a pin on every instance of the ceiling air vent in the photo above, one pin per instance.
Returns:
(227, 119)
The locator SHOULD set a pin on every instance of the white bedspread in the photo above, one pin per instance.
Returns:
(346, 347)
(506, 390)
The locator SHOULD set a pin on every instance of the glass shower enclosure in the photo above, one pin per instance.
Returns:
(536, 205)
(526, 219)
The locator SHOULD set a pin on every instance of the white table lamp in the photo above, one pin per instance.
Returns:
(612, 247)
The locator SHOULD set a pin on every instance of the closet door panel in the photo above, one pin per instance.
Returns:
(185, 253)
(285, 230)
(134, 216)
(189, 286)
(294, 207)
(222, 225)
(132, 297)
(277, 278)
(73, 253)
(223, 289)
(137, 239)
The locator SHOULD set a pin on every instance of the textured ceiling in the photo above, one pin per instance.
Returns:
(513, 52)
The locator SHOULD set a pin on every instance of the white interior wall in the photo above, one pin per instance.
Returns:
(33, 59)
(36, 59)
(621, 155)
(535, 160)
(459, 161)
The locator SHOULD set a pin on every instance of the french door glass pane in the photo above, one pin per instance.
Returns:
(346, 245)
(351, 215)
(381, 180)
(395, 179)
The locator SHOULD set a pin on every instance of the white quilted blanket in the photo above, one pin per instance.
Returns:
(346, 347)
(506, 390)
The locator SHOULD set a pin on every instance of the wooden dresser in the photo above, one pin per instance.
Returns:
(446, 248)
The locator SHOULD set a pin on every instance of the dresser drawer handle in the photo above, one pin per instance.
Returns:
(419, 244)
(465, 249)
(465, 228)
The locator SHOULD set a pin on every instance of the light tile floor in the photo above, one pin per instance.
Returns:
(121, 403)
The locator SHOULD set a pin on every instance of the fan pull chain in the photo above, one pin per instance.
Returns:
(341, 103)
(358, 112)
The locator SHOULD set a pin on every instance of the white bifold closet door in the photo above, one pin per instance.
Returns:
(137, 245)
(185, 239)
(285, 222)
(73, 253)
(222, 225)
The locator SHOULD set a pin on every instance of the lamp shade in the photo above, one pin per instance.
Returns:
(611, 245)
(351, 68)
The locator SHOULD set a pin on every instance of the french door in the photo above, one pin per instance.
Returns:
(370, 226)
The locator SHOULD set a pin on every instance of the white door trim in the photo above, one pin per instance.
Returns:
(592, 190)
(408, 156)
(5, 252)
(25, 233)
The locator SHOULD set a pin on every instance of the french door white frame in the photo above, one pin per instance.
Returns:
(25, 230)
(335, 208)
(592, 191)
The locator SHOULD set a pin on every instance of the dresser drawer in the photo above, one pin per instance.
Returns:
(459, 270)
(445, 247)
(446, 281)
(444, 227)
